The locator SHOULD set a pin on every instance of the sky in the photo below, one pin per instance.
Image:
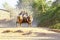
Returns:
(10, 2)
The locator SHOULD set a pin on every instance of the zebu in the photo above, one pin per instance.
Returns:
(24, 18)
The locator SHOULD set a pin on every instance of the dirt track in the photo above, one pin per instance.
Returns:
(28, 34)
(9, 31)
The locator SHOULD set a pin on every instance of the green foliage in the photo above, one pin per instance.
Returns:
(39, 5)
(49, 18)
(56, 26)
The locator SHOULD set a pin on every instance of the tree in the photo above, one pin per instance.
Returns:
(40, 5)
(44, 12)
(24, 4)
(9, 8)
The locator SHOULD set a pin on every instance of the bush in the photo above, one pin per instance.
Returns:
(56, 26)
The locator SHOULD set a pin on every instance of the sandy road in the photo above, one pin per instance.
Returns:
(25, 32)
(29, 33)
